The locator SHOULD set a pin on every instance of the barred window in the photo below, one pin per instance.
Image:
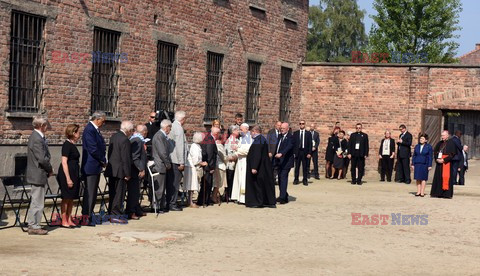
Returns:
(27, 49)
(213, 101)
(285, 97)
(104, 71)
(253, 92)
(166, 76)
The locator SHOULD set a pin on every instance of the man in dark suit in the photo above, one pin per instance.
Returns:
(314, 159)
(39, 169)
(119, 170)
(358, 152)
(139, 163)
(93, 161)
(302, 152)
(463, 165)
(161, 149)
(272, 138)
(209, 155)
(456, 159)
(152, 128)
(404, 152)
(283, 161)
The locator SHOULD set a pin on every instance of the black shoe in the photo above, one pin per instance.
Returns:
(408, 182)
(270, 206)
(254, 206)
(283, 201)
(175, 208)
(389, 180)
(317, 177)
(417, 194)
(399, 181)
(359, 182)
(354, 182)
(296, 182)
(382, 180)
(305, 182)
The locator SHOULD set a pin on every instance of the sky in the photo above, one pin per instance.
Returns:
(469, 21)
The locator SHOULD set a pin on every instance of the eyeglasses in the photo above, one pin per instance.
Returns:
(152, 117)
(302, 123)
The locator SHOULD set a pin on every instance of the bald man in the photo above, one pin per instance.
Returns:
(209, 155)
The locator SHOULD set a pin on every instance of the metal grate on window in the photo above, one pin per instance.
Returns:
(166, 76)
(213, 101)
(285, 96)
(104, 71)
(253, 92)
(27, 48)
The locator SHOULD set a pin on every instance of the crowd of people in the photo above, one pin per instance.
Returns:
(240, 159)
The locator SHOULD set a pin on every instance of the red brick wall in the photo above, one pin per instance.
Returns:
(383, 97)
(197, 26)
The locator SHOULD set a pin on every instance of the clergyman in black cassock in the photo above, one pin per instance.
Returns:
(260, 185)
(443, 179)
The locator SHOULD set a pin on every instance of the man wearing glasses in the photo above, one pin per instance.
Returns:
(358, 152)
(302, 151)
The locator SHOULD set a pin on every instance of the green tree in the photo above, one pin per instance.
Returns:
(416, 27)
(335, 31)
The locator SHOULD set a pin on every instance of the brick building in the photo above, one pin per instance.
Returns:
(472, 57)
(211, 58)
(425, 97)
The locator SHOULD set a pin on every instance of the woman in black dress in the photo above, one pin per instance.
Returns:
(338, 164)
(330, 152)
(68, 176)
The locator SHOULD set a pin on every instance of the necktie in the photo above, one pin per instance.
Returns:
(280, 142)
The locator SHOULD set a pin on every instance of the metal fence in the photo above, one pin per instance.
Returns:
(166, 76)
(213, 101)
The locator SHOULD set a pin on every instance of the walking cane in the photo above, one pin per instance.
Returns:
(204, 190)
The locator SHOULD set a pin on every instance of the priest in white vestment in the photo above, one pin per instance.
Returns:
(238, 189)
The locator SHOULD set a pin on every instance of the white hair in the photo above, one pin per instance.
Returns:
(245, 125)
(126, 126)
(197, 137)
(39, 121)
(180, 115)
(233, 128)
(141, 128)
(165, 123)
(97, 115)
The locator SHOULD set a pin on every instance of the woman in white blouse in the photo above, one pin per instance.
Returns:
(231, 147)
(193, 169)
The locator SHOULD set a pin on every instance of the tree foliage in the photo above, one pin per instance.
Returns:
(416, 27)
(335, 31)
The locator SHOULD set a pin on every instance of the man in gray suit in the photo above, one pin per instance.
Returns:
(38, 171)
(178, 156)
(161, 149)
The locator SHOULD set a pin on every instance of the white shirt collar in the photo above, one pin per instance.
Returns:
(39, 132)
(96, 127)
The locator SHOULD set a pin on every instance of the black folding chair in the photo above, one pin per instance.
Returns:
(16, 195)
(49, 195)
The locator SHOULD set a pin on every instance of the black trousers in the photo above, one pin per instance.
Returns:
(314, 159)
(403, 170)
(90, 194)
(230, 176)
(205, 189)
(461, 176)
(173, 184)
(283, 183)
(133, 196)
(117, 188)
(455, 165)
(301, 159)
(386, 167)
(358, 162)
